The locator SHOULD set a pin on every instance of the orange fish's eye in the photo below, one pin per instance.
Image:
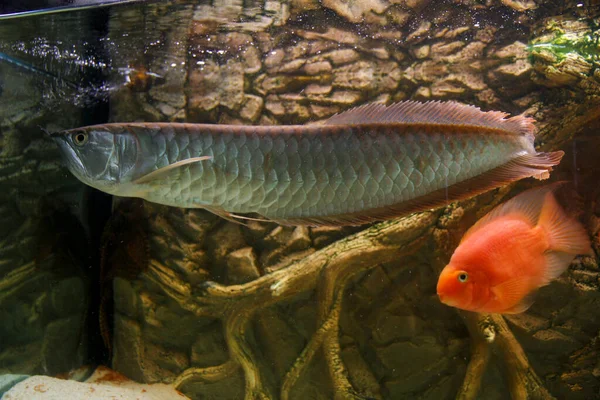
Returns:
(462, 277)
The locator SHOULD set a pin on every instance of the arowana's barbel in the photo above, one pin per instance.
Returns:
(370, 163)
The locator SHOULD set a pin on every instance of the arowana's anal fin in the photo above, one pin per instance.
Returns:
(231, 217)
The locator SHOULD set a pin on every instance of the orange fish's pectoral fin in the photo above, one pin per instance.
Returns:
(521, 306)
(556, 263)
(513, 296)
(171, 170)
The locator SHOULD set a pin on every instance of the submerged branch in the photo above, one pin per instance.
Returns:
(480, 357)
(375, 245)
(307, 354)
(337, 369)
(335, 264)
(522, 379)
(207, 374)
(329, 269)
(490, 332)
(236, 327)
(378, 244)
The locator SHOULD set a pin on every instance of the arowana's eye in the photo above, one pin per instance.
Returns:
(463, 277)
(80, 138)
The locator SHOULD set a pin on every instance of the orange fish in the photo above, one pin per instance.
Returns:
(512, 251)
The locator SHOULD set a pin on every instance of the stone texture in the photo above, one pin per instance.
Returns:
(217, 86)
(396, 340)
(63, 344)
(210, 348)
(356, 11)
(230, 388)
(68, 297)
(242, 266)
(161, 363)
(393, 327)
(427, 362)
(125, 298)
(279, 340)
(128, 351)
(252, 108)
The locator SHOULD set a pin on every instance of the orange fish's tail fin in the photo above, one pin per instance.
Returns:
(566, 236)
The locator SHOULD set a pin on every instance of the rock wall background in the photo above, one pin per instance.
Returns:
(268, 312)
(213, 309)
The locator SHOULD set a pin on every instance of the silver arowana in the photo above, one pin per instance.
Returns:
(370, 163)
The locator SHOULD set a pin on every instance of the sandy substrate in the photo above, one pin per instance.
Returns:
(102, 385)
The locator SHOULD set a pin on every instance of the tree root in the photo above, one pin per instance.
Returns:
(236, 327)
(309, 351)
(329, 270)
(330, 296)
(208, 374)
(339, 375)
(335, 264)
(490, 333)
(480, 357)
(522, 379)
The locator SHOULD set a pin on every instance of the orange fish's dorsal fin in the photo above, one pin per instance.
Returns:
(527, 205)
(436, 113)
(516, 291)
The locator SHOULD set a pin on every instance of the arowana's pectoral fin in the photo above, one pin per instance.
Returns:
(169, 170)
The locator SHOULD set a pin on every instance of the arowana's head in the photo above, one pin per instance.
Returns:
(97, 156)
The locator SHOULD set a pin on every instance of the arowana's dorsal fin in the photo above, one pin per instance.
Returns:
(434, 112)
